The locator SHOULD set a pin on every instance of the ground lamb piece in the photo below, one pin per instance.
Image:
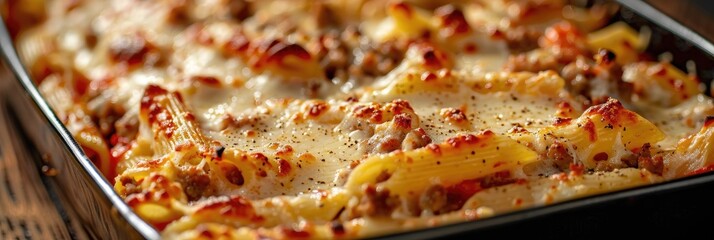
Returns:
(522, 39)
(347, 54)
(334, 56)
(390, 138)
(385, 144)
(379, 59)
(653, 164)
(196, 183)
(434, 199)
(240, 9)
(416, 138)
(107, 114)
(377, 202)
(596, 78)
(577, 75)
(383, 129)
(644, 159)
(560, 155)
(130, 186)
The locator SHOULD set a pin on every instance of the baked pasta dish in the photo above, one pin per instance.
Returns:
(359, 118)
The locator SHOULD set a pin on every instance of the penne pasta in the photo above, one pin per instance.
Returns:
(172, 126)
(694, 154)
(621, 39)
(458, 159)
(603, 134)
(557, 188)
(317, 207)
(661, 83)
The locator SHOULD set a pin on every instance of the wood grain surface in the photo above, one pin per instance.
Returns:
(29, 206)
(698, 15)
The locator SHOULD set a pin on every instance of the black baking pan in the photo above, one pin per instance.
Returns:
(682, 206)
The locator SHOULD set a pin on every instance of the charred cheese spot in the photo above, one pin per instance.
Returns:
(589, 129)
(565, 110)
(317, 108)
(401, 8)
(155, 112)
(456, 116)
(432, 57)
(612, 112)
(234, 207)
(434, 148)
(452, 20)
(132, 49)
(469, 139)
(207, 80)
(285, 151)
(403, 121)
(562, 121)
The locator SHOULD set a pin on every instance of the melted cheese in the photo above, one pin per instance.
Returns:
(331, 150)
(497, 112)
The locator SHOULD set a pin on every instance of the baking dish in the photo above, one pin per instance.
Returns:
(56, 143)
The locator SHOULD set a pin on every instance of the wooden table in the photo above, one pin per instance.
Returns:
(29, 206)
(696, 14)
